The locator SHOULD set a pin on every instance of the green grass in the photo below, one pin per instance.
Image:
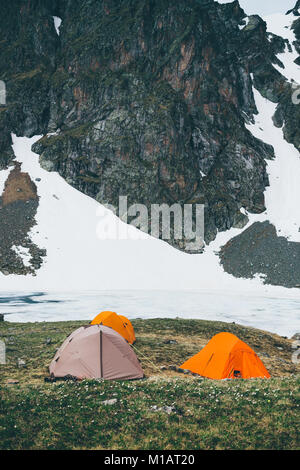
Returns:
(205, 414)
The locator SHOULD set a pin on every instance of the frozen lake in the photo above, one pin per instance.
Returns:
(277, 314)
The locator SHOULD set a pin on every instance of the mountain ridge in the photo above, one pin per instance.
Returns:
(150, 100)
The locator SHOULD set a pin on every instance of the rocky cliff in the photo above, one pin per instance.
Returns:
(146, 99)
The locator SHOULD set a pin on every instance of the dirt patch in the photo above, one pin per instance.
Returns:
(18, 207)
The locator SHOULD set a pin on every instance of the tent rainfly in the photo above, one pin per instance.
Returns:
(118, 323)
(226, 356)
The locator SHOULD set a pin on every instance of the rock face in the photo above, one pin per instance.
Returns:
(27, 59)
(18, 206)
(146, 99)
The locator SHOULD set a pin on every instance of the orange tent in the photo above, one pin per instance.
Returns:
(118, 323)
(226, 356)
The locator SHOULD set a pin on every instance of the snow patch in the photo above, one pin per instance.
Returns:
(72, 229)
(57, 24)
(263, 7)
(50, 134)
(246, 20)
(283, 195)
(3, 177)
(280, 25)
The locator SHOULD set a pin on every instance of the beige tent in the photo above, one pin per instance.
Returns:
(96, 351)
